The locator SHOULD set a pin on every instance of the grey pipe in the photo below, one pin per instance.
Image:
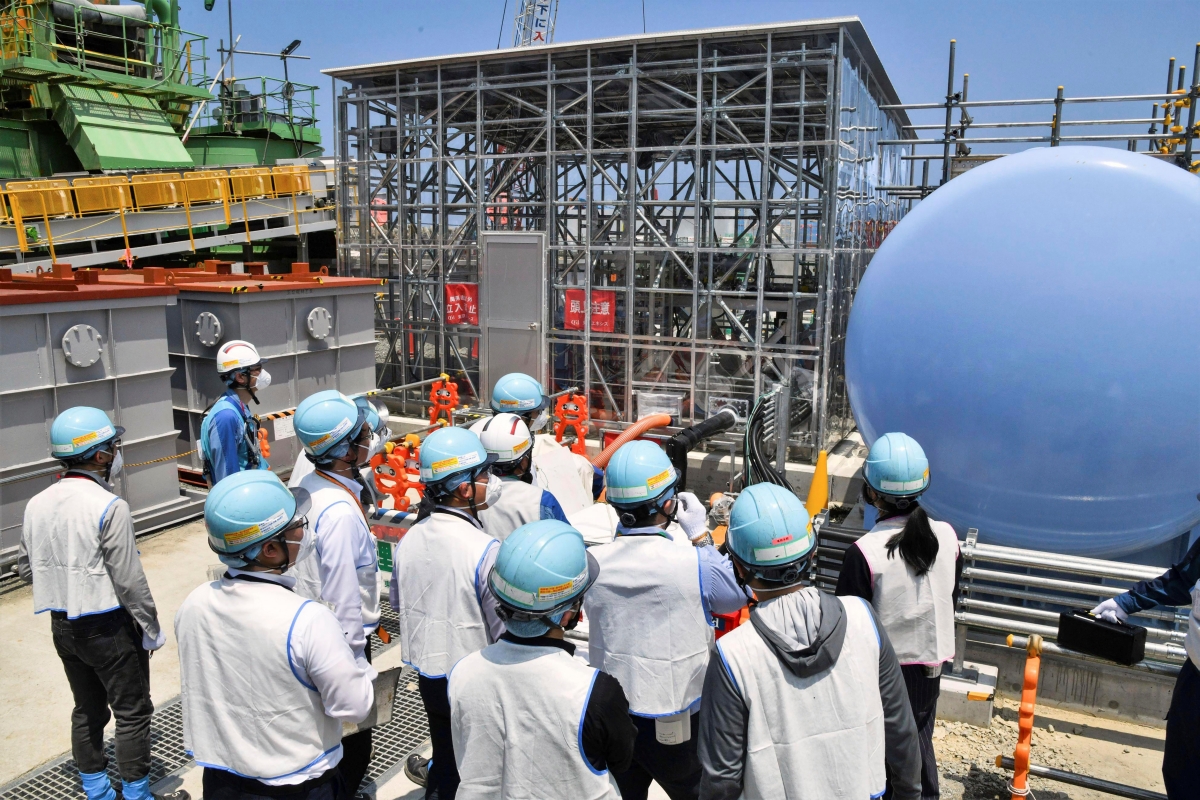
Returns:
(1086, 781)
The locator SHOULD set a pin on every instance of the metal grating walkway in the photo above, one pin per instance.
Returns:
(59, 780)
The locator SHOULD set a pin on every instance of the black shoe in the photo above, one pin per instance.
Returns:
(178, 794)
(416, 768)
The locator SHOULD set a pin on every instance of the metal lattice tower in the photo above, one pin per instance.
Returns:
(533, 23)
(720, 188)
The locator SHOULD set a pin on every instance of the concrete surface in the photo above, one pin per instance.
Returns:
(36, 724)
(969, 701)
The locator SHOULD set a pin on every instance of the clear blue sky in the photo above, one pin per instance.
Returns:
(1011, 49)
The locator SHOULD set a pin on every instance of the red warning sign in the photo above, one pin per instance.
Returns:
(604, 310)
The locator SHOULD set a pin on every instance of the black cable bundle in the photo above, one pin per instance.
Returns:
(757, 465)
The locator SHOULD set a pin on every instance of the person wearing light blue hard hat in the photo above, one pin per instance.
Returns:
(444, 604)
(376, 416)
(907, 566)
(257, 658)
(229, 432)
(78, 550)
(570, 477)
(574, 722)
(650, 613)
(338, 436)
(812, 672)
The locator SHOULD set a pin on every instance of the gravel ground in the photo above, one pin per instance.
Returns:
(1114, 750)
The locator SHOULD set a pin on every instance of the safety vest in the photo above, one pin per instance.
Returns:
(516, 715)
(62, 537)
(246, 709)
(435, 569)
(519, 503)
(648, 625)
(561, 473)
(249, 456)
(325, 493)
(916, 611)
(816, 736)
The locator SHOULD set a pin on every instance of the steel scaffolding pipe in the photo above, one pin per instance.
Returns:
(716, 191)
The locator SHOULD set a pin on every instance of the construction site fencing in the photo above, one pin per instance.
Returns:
(709, 199)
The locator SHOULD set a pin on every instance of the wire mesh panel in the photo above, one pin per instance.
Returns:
(710, 201)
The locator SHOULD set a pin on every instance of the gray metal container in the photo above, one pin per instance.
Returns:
(121, 368)
(311, 337)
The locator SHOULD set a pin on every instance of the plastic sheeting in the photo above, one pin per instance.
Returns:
(1035, 325)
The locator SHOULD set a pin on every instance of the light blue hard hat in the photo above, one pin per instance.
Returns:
(375, 414)
(518, 393)
(542, 568)
(79, 432)
(450, 456)
(245, 509)
(325, 420)
(638, 473)
(897, 466)
(770, 532)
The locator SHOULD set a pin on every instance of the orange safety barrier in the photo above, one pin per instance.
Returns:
(444, 396)
(392, 475)
(48, 198)
(291, 179)
(1033, 664)
(102, 193)
(571, 410)
(251, 182)
(158, 190)
(264, 446)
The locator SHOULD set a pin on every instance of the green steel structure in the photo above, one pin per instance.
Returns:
(94, 86)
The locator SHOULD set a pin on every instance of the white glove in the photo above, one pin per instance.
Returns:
(1110, 610)
(150, 645)
(691, 516)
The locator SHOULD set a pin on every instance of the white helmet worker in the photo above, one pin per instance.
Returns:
(238, 357)
(509, 438)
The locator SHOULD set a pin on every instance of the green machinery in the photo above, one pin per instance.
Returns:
(97, 86)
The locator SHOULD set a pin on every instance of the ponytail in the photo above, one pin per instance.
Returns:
(917, 542)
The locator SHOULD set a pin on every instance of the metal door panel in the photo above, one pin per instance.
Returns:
(512, 281)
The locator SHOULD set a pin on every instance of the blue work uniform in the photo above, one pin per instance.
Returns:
(229, 439)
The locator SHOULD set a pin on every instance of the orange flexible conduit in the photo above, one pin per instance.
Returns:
(632, 432)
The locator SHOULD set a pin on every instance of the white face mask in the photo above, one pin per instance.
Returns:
(264, 380)
(540, 420)
(377, 445)
(493, 491)
(118, 463)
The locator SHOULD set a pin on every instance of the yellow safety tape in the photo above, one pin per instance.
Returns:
(158, 460)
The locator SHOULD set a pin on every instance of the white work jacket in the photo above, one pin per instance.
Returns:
(566, 475)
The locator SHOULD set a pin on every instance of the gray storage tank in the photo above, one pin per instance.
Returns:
(66, 339)
(313, 331)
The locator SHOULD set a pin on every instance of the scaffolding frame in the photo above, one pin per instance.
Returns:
(1163, 133)
(711, 199)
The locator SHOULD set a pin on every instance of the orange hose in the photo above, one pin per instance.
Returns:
(632, 432)
(1033, 664)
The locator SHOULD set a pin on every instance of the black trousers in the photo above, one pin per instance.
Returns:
(923, 696)
(222, 785)
(356, 754)
(1181, 758)
(443, 770)
(107, 668)
(676, 767)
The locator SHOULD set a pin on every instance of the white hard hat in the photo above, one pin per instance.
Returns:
(236, 354)
(507, 436)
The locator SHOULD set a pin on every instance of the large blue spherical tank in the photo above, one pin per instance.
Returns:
(1035, 325)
